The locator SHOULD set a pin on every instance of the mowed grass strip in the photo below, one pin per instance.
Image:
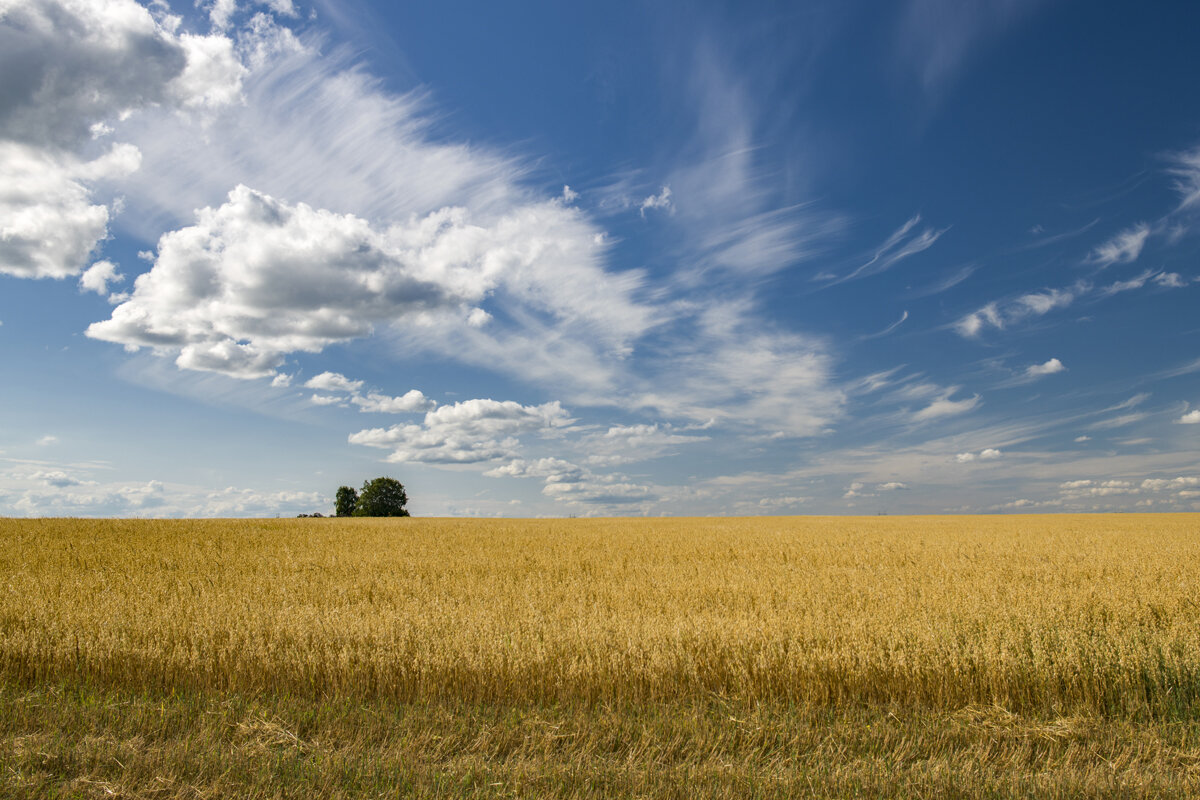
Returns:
(88, 742)
(1053, 615)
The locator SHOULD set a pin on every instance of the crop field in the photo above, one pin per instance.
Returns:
(884, 656)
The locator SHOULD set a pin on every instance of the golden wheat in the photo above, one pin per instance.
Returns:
(1056, 613)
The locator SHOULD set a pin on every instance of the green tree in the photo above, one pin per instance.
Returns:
(347, 501)
(382, 497)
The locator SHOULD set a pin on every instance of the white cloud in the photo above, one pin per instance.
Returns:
(56, 478)
(945, 407)
(72, 69)
(987, 454)
(469, 432)
(97, 277)
(1190, 418)
(324, 400)
(258, 278)
(891, 486)
(1185, 167)
(213, 75)
(1170, 280)
(333, 382)
(47, 440)
(1000, 315)
(622, 444)
(1124, 248)
(281, 380)
(898, 246)
(1051, 367)
(411, 401)
(156, 499)
(68, 64)
(660, 200)
(1118, 421)
(49, 225)
(1168, 484)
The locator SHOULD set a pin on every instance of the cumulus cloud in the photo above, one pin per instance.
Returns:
(258, 278)
(333, 382)
(324, 400)
(49, 225)
(56, 478)
(468, 432)
(1124, 248)
(571, 483)
(1051, 367)
(987, 454)
(97, 277)
(407, 403)
(72, 69)
(891, 486)
(1190, 418)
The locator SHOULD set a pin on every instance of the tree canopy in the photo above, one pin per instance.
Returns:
(346, 502)
(381, 497)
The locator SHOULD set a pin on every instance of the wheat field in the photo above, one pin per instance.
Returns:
(1040, 618)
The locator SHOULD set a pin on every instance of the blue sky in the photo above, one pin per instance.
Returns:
(634, 258)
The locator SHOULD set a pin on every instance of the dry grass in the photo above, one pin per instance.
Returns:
(748, 653)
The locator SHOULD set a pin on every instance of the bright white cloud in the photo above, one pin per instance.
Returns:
(324, 400)
(411, 401)
(49, 225)
(213, 75)
(333, 382)
(258, 278)
(97, 277)
(1190, 418)
(891, 486)
(1124, 248)
(1051, 367)
(72, 69)
(469, 432)
(655, 201)
(1000, 315)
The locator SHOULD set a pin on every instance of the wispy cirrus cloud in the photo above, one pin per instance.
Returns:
(1124, 248)
(901, 244)
(1000, 315)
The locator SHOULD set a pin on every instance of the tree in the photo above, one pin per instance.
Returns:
(347, 501)
(382, 497)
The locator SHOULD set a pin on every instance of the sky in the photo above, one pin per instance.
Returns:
(623, 258)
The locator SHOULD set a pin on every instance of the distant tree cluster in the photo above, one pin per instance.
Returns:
(381, 497)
